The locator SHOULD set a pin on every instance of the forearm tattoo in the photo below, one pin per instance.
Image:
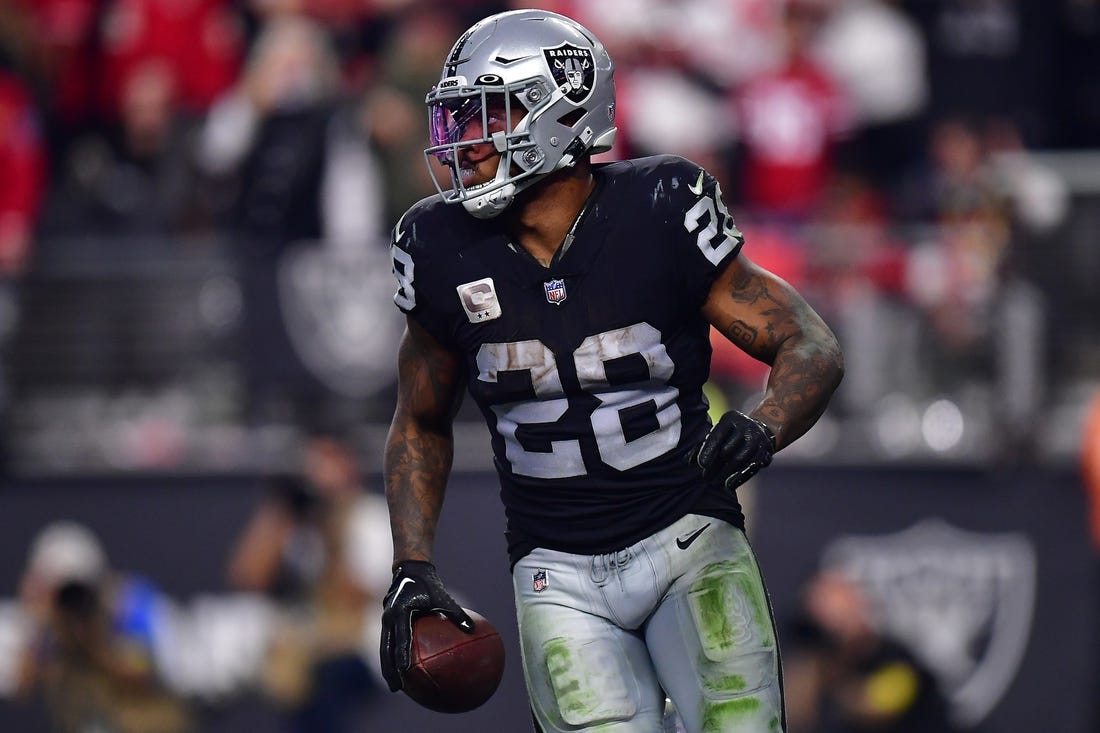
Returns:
(804, 354)
(420, 448)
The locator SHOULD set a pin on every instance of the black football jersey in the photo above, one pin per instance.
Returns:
(589, 372)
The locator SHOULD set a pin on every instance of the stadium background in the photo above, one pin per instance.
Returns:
(194, 204)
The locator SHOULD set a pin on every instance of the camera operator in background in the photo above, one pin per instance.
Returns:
(843, 675)
(318, 545)
(91, 657)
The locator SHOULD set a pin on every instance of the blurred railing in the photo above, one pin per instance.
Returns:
(127, 354)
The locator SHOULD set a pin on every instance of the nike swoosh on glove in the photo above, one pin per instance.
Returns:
(735, 449)
(416, 590)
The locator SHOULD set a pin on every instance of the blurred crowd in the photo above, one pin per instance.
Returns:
(891, 158)
(879, 154)
(96, 646)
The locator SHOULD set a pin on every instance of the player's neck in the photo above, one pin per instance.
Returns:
(541, 221)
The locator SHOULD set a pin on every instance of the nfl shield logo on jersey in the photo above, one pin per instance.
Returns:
(555, 291)
(541, 582)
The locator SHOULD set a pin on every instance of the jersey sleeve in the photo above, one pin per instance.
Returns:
(703, 231)
(417, 272)
(404, 266)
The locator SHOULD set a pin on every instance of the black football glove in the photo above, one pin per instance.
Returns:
(735, 449)
(416, 590)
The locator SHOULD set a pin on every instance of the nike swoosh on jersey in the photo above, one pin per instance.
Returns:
(697, 189)
(398, 232)
(684, 542)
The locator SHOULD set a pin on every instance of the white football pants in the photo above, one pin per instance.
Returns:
(683, 612)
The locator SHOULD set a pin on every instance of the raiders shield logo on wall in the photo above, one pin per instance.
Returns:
(961, 601)
(573, 69)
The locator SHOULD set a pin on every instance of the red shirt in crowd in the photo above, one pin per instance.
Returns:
(63, 31)
(22, 170)
(200, 40)
(790, 120)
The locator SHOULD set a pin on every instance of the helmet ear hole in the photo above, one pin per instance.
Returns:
(573, 117)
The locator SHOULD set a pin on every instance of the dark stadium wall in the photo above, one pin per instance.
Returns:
(996, 561)
(1009, 546)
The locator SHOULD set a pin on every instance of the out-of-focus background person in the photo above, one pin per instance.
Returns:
(91, 653)
(196, 201)
(843, 675)
(318, 546)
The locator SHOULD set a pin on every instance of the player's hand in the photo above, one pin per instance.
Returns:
(735, 449)
(416, 590)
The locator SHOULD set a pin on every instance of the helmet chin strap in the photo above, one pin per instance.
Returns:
(489, 205)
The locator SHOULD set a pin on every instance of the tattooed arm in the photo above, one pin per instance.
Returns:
(420, 444)
(767, 319)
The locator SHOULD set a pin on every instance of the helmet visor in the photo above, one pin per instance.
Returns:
(463, 120)
(467, 119)
(450, 121)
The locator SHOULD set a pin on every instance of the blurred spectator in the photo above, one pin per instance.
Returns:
(721, 41)
(1039, 197)
(286, 151)
(199, 43)
(991, 58)
(320, 546)
(23, 172)
(985, 315)
(137, 177)
(953, 276)
(791, 119)
(952, 183)
(877, 53)
(54, 42)
(394, 111)
(355, 27)
(843, 676)
(92, 659)
(664, 110)
(270, 135)
(857, 279)
(674, 62)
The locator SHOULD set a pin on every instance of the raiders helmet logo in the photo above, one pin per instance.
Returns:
(574, 70)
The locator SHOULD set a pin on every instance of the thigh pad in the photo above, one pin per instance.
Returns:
(590, 680)
(731, 616)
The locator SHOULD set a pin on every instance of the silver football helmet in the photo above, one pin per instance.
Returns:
(534, 63)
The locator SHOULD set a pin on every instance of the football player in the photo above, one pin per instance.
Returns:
(573, 301)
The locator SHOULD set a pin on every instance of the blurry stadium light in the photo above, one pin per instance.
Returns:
(942, 426)
(220, 303)
(897, 425)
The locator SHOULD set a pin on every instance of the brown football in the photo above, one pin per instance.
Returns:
(452, 671)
